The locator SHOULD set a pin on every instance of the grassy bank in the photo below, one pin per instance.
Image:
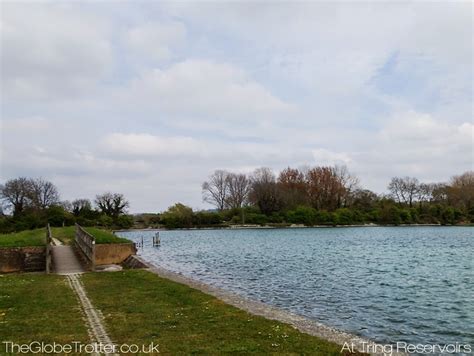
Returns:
(35, 307)
(183, 320)
(67, 235)
(35, 237)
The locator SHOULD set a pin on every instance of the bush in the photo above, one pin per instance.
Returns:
(124, 221)
(302, 215)
(343, 216)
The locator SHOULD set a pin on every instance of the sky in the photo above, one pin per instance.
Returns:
(149, 98)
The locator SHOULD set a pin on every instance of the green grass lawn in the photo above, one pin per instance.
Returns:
(140, 307)
(35, 237)
(67, 235)
(105, 237)
(37, 307)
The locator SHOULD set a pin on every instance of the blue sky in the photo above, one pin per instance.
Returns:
(148, 99)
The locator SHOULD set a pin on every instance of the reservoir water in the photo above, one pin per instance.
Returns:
(388, 284)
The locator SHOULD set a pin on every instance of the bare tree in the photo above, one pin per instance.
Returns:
(325, 188)
(404, 190)
(265, 193)
(349, 181)
(215, 191)
(43, 193)
(111, 204)
(292, 186)
(16, 194)
(238, 190)
(81, 205)
(461, 190)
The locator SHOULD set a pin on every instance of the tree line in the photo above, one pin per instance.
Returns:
(28, 203)
(324, 195)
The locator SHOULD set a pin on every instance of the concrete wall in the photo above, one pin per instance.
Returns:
(22, 259)
(106, 254)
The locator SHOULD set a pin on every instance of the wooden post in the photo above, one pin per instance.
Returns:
(48, 249)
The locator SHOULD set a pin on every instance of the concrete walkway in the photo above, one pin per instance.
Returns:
(66, 261)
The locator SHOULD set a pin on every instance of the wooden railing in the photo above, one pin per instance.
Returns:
(49, 241)
(86, 244)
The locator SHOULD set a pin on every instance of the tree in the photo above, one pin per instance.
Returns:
(178, 215)
(215, 191)
(264, 192)
(112, 204)
(364, 199)
(79, 206)
(43, 194)
(325, 188)
(404, 190)
(238, 189)
(461, 190)
(16, 193)
(349, 183)
(292, 186)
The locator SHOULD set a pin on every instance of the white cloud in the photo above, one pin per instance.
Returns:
(25, 124)
(149, 145)
(325, 157)
(50, 51)
(203, 87)
(155, 40)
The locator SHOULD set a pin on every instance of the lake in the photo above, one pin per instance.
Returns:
(388, 284)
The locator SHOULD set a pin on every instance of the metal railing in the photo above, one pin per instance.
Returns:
(49, 241)
(86, 244)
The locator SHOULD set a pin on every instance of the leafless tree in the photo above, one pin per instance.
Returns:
(215, 191)
(238, 190)
(111, 204)
(461, 190)
(43, 193)
(16, 194)
(404, 190)
(348, 181)
(292, 185)
(265, 192)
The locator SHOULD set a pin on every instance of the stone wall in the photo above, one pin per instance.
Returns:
(106, 254)
(22, 259)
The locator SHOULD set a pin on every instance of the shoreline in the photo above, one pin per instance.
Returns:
(301, 323)
(295, 226)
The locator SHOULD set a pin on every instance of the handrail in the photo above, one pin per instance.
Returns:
(49, 239)
(86, 244)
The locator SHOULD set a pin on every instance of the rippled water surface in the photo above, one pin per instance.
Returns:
(412, 284)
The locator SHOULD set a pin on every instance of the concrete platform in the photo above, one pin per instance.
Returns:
(65, 260)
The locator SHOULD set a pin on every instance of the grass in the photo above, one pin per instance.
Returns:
(36, 307)
(35, 237)
(67, 234)
(105, 237)
(140, 307)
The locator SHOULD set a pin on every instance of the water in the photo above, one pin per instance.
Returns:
(388, 284)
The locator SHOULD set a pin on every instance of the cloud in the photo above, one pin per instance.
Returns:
(149, 99)
(25, 124)
(325, 157)
(155, 40)
(149, 145)
(204, 88)
(51, 51)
